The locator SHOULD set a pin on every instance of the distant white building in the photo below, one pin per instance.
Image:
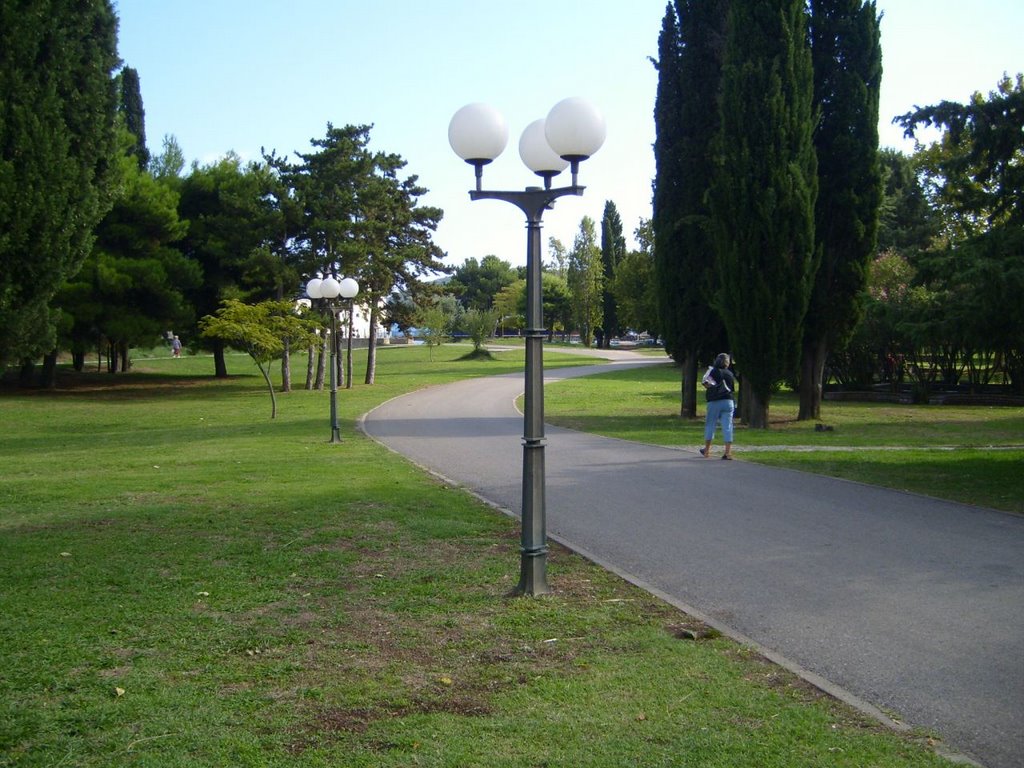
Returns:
(360, 321)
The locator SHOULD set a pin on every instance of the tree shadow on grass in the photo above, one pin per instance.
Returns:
(133, 386)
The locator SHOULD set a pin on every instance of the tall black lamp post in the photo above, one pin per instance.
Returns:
(328, 290)
(573, 131)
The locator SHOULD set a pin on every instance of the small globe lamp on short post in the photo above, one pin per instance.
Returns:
(348, 289)
(327, 290)
(573, 131)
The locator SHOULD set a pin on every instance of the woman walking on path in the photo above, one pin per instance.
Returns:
(720, 386)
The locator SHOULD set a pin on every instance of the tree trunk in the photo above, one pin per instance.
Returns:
(25, 373)
(112, 359)
(48, 375)
(757, 410)
(371, 351)
(812, 369)
(220, 367)
(78, 361)
(321, 362)
(270, 385)
(286, 367)
(339, 365)
(126, 361)
(688, 405)
(310, 365)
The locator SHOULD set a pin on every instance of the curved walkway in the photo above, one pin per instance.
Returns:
(891, 600)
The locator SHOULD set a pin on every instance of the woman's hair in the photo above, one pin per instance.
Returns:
(722, 361)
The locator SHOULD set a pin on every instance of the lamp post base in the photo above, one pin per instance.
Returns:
(533, 574)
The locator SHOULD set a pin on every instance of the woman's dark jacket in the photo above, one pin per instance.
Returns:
(718, 392)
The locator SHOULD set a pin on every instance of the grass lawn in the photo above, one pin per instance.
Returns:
(188, 583)
(973, 454)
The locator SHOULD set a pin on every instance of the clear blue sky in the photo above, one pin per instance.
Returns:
(238, 75)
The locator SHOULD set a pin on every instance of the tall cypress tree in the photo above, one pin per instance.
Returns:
(847, 56)
(613, 251)
(134, 114)
(763, 193)
(667, 201)
(690, 53)
(57, 148)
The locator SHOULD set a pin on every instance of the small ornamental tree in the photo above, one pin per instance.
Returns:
(434, 323)
(479, 324)
(261, 330)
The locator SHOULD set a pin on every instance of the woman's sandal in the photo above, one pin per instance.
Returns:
(726, 457)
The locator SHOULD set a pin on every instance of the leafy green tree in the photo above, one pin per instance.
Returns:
(170, 163)
(979, 181)
(877, 349)
(586, 280)
(559, 257)
(320, 190)
(134, 114)
(635, 284)
(57, 147)
(401, 311)
(477, 283)
(613, 251)
(974, 176)
(399, 241)
(690, 50)
(326, 183)
(635, 294)
(231, 215)
(363, 220)
(479, 324)
(763, 194)
(847, 57)
(262, 330)
(907, 223)
(434, 322)
(558, 308)
(644, 235)
(510, 304)
(132, 286)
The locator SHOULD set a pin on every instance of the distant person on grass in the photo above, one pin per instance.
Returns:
(176, 346)
(719, 388)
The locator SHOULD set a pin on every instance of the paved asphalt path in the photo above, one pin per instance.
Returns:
(913, 605)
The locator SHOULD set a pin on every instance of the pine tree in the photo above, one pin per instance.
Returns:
(763, 193)
(131, 287)
(847, 56)
(613, 251)
(232, 219)
(57, 146)
(690, 51)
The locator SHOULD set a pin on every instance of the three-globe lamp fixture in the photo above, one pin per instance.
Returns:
(572, 132)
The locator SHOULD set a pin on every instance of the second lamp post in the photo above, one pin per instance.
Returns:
(328, 290)
(573, 131)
